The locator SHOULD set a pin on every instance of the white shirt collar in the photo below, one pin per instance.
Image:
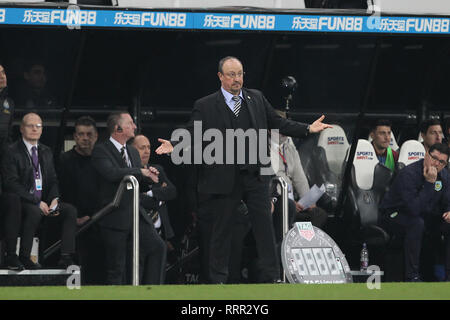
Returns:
(228, 96)
(29, 145)
(117, 144)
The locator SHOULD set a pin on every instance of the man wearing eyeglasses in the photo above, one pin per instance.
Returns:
(28, 171)
(419, 200)
(222, 186)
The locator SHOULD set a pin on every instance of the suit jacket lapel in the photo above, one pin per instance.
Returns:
(28, 157)
(112, 148)
(251, 107)
(134, 162)
(222, 107)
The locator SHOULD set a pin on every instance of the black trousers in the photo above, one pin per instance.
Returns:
(29, 217)
(11, 222)
(91, 256)
(412, 230)
(217, 217)
(118, 246)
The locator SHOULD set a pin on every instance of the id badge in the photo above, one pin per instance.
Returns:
(38, 184)
(290, 192)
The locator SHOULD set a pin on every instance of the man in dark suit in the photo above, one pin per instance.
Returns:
(28, 171)
(113, 160)
(154, 199)
(222, 185)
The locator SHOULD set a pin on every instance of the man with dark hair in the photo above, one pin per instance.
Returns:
(77, 176)
(447, 131)
(34, 92)
(113, 160)
(79, 187)
(221, 186)
(381, 139)
(431, 132)
(28, 171)
(419, 200)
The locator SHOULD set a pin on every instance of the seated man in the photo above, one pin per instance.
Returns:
(381, 138)
(28, 171)
(79, 187)
(154, 200)
(419, 200)
(34, 92)
(431, 132)
(286, 164)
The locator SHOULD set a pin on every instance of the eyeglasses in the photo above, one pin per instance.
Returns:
(31, 126)
(233, 75)
(441, 162)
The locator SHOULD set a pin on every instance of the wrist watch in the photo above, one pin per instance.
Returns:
(307, 129)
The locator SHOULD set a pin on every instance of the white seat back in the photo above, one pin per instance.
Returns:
(411, 151)
(364, 164)
(335, 144)
(419, 138)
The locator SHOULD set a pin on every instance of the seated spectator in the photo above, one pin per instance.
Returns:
(154, 200)
(286, 164)
(34, 92)
(419, 201)
(28, 171)
(381, 138)
(79, 187)
(431, 132)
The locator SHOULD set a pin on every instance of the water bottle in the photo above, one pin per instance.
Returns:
(364, 257)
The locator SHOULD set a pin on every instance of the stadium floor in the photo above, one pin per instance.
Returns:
(355, 291)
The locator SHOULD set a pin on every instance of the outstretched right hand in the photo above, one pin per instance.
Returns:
(165, 147)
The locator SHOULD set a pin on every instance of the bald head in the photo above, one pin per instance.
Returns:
(142, 144)
(31, 128)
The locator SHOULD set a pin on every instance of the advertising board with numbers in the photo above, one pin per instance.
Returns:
(310, 256)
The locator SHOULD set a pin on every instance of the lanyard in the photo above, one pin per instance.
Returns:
(36, 168)
(284, 160)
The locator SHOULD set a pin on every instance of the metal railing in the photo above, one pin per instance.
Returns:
(129, 182)
(285, 208)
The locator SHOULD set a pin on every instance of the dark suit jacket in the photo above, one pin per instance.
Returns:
(109, 165)
(161, 193)
(212, 111)
(18, 173)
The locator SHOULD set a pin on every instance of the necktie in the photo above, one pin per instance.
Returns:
(237, 105)
(124, 157)
(37, 175)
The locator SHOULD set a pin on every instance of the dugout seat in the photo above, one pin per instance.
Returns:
(410, 152)
(368, 183)
(322, 161)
